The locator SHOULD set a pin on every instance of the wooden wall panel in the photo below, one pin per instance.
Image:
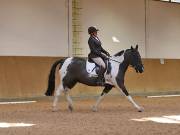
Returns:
(27, 77)
(23, 76)
(156, 78)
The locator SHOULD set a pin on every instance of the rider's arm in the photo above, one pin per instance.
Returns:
(105, 52)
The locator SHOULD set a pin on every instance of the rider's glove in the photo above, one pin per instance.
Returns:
(108, 54)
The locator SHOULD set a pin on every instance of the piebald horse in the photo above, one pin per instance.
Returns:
(74, 69)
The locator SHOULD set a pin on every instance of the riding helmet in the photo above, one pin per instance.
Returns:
(92, 29)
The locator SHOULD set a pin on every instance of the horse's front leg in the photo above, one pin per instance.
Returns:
(103, 94)
(125, 92)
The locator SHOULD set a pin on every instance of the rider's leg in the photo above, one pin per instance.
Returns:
(99, 61)
(102, 66)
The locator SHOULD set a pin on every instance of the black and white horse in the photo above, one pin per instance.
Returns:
(73, 70)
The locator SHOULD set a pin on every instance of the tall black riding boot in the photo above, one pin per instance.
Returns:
(101, 80)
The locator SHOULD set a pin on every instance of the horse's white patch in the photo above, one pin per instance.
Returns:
(17, 102)
(8, 125)
(63, 69)
(115, 67)
(174, 119)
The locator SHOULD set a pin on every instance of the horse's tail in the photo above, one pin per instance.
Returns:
(51, 80)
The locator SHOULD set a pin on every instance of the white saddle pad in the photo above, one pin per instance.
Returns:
(90, 68)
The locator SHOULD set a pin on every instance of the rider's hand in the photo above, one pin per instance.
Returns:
(108, 54)
(104, 56)
(107, 58)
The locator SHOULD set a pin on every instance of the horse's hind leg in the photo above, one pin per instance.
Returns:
(56, 97)
(103, 94)
(70, 103)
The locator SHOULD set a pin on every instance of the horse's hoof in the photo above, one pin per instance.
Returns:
(141, 109)
(70, 108)
(94, 109)
(54, 109)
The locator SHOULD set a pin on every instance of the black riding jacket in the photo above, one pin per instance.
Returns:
(96, 48)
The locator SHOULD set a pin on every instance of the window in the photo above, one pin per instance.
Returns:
(177, 1)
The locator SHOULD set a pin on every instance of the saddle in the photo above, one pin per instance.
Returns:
(93, 69)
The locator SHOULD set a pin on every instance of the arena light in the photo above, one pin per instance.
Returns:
(8, 125)
(115, 40)
(174, 119)
(17, 102)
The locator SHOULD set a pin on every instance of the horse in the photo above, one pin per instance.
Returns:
(74, 69)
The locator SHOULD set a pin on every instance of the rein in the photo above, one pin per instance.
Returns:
(115, 60)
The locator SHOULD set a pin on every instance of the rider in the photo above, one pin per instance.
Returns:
(97, 53)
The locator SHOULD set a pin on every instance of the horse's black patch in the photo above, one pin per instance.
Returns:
(107, 88)
(120, 76)
(73, 68)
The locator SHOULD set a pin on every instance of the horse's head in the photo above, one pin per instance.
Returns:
(134, 59)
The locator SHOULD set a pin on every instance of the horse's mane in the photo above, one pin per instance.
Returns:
(119, 53)
(123, 51)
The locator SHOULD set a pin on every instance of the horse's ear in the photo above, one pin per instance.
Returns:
(137, 47)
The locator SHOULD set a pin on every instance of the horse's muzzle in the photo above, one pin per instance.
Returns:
(139, 69)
